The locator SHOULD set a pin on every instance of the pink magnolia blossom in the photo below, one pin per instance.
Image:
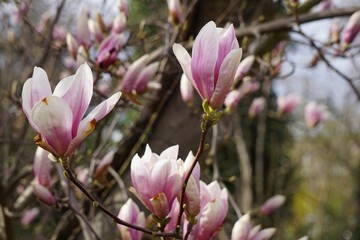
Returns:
(244, 67)
(257, 106)
(352, 28)
(72, 45)
(82, 29)
(146, 74)
(215, 57)
(272, 204)
(42, 166)
(249, 86)
(192, 191)
(186, 90)
(130, 213)
(214, 207)
(314, 114)
(109, 49)
(29, 216)
(174, 11)
(173, 216)
(119, 23)
(241, 229)
(57, 116)
(123, 7)
(233, 99)
(43, 193)
(95, 30)
(286, 104)
(156, 179)
(138, 75)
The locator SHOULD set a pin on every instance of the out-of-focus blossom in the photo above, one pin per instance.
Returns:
(160, 175)
(130, 213)
(21, 11)
(256, 107)
(123, 7)
(314, 114)
(326, 5)
(29, 216)
(192, 191)
(214, 207)
(249, 86)
(272, 204)
(82, 174)
(43, 193)
(215, 57)
(43, 22)
(286, 104)
(82, 29)
(95, 29)
(42, 166)
(244, 67)
(352, 29)
(57, 116)
(103, 166)
(138, 75)
(334, 31)
(264, 234)
(232, 100)
(59, 36)
(82, 56)
(109, 49)
(241, 229)
(119, 23)
(186, 90)
(72, 45)
(174, 11)
(304, 238)
(144, 77)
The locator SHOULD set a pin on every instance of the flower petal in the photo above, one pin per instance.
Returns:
(204, 58)
(77, 91)
(226, 78)
(53, 118)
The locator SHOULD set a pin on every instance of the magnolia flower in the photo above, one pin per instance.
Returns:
(109, 49)
(156, 179)
(174, 11)
(57, 117)
(119, 23)
(286, 104)
(82, 29)
(314, 114)
(123, 7)
(130, 213)
(95, 29)
(29, 216)
(173, 217)
(233, 98)
(244, 67)
(256, 107)
(272, 204)
(192, 191)
(42, 167)
(215, 57)
(241, 229)
(352, 28)
(43, 193)
(186, 90)
(72, 45)
(214, 207)
(264, 234)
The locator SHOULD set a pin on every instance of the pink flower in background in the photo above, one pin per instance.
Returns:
(286, 104)
(186, 90)
(82, 29)
(264, 234)
(146, 74)
(29, 216)
(215, 58)
(95, 30)
(314, 114)
(214, 207)
(174, 11)
(352, 29)
(72, 45)
(57, 117)
(241, 229)
(123, 7)
(109, 49)
(119, 23)
(156, 179)
(250, 86)
(130, 213)
(173, 215)
(42, 166)
(256, 107)
(232, 100)
(43, 193)
(103, 166)
(272, 204)
(244, 67)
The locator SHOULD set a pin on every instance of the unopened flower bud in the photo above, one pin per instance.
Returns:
(314, 114)
(352, 29)
(29, 216)
(174, 11)
(72, 45)
(119, 23)
(43, 194)
(244, 67)
(256, 107)
(95, 29)
(272, 204)
(241, 229)
(130, 213)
